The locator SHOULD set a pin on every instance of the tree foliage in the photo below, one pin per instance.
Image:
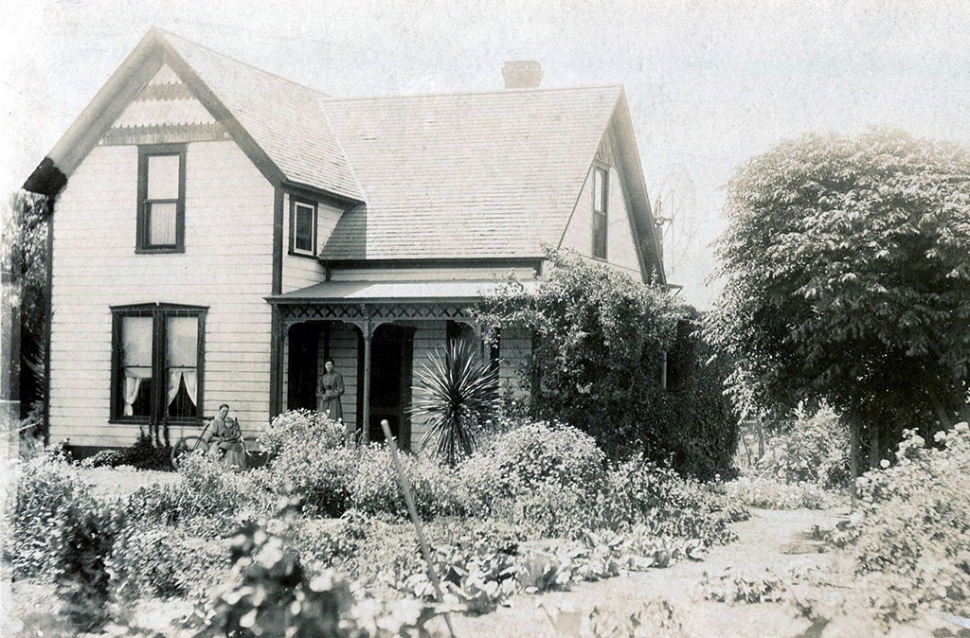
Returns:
(25, 258)
(848, 279)
(598, 344)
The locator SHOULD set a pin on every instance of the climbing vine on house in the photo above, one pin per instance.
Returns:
(600, 341)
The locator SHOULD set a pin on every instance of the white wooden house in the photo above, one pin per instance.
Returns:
(219, 231)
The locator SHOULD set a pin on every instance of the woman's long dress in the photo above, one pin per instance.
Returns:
(229, 441)
(328, 398)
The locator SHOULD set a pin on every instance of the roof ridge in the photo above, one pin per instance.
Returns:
(407, 96)
(169, 34)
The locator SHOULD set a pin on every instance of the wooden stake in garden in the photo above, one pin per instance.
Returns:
(413, 511)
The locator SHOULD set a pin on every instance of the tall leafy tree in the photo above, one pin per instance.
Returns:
(24, 258)
(847, 269)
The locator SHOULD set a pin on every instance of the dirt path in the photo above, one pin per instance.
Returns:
(764, 542)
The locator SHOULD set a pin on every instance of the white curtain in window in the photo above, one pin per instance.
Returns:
(161, 224)
(132, 385)
(136, 343)
(182, 354)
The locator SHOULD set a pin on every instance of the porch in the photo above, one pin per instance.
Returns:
(378, 335)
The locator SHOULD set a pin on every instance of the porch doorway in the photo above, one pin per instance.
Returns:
(390, 382)
(302, 373)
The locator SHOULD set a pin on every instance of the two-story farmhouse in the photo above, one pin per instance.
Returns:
(218, 232)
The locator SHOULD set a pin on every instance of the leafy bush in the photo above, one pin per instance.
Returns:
(295, 428)
(745, 588)
(772, 494)
(45, 485)
(643, 493)
(277, 594)
(516, 463)
(814, 448)
(436, 489)
(152, 560)
(146, 454)
(86, 540)
(206, 500)
(307, 457)
(909, 535)
(105, 458)
(456, 392)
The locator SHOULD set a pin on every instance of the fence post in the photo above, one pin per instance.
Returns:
(413, 511)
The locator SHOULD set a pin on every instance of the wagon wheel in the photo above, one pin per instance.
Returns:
(187, 445)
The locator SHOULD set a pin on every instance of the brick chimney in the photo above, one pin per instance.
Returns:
(522, 74)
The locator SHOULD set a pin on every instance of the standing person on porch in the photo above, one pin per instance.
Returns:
(329, 392)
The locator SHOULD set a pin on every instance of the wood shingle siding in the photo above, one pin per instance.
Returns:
(225, 267)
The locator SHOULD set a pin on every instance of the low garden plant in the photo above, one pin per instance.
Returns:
(910, 537)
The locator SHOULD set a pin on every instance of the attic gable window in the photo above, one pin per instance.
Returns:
(303, 228)
(600, 203)
(161, 198)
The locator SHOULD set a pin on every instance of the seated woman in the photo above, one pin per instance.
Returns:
(225, 431)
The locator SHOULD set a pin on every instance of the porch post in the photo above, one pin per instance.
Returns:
(368, 334)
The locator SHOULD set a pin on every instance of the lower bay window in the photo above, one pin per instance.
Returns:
(157, 363)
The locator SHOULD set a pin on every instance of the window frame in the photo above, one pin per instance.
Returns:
(159, 313)
(296, 202)
(602, 215)
(146, 152)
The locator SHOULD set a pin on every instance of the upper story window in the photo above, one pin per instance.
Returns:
(161, 198)
(303, 228)
(157, 354)
(600, 204)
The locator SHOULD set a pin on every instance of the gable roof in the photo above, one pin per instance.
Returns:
(471, 175)
(278, 123)
(479, 175)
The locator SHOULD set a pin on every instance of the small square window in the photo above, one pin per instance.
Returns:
(161, 198)
(303, 229)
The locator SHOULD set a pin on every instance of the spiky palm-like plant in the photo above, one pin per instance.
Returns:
(454, 391)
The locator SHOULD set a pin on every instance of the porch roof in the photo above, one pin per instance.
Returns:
(391, 291)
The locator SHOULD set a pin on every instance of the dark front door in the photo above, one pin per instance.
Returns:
(301, 388)
(392, 353)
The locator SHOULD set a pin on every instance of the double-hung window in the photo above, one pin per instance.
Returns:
(157, 360)
(303, 228)
(161, 198)
(600, 204)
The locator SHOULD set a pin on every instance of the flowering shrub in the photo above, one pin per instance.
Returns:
(911, 532)
(772, 494)
(296, 428)
(516, 463)
(307, 457)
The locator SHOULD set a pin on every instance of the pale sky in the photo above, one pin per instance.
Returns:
(710, 84)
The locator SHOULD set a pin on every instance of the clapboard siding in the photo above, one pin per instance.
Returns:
(621, 252)
(226, 267)
(301, 271)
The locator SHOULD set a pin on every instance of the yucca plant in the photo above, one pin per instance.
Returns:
(455, 391)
